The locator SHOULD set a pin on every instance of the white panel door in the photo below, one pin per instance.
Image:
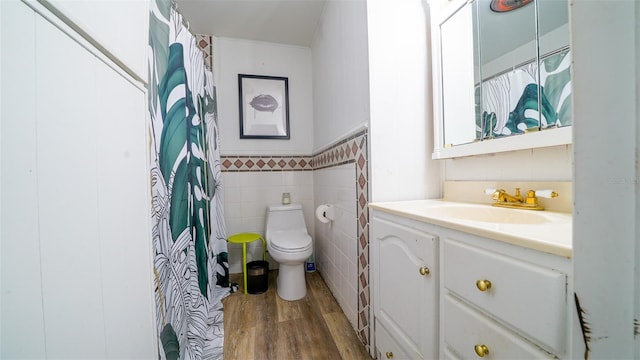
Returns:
(123, 216)
(76, 243)
(68, 193)
(22, 323)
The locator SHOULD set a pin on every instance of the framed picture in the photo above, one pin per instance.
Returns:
(264, 107)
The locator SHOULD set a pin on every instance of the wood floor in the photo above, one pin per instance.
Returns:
(264, 326)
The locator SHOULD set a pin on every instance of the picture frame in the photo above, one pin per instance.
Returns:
(264, 107)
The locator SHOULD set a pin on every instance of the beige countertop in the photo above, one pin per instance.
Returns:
(545, 231)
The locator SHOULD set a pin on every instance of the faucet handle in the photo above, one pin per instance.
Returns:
(546, 194)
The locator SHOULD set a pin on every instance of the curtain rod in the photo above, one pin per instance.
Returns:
(185, 22)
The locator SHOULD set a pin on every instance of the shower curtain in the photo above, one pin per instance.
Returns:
(189, 240)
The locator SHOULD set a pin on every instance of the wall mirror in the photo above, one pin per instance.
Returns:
(501, 75)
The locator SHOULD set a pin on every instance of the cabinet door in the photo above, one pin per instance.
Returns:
(405, 290)
(388, 348)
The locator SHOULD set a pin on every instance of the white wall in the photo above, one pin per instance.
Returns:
(76, 240)
(340, 72)
(400, 88)
(246, 196)
(336, 243)
(236, 56)
(542, 164)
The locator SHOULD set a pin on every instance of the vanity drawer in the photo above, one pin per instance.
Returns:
(528, 297)
(465, 328)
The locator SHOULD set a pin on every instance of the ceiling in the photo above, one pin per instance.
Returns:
(279, 21)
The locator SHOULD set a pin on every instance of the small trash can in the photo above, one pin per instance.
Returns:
(257, 276)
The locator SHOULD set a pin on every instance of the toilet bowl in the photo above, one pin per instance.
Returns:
(289, 245)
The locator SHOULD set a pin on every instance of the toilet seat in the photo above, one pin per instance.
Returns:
(290, 241)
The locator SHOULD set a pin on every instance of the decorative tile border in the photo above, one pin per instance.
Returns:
(233, 163)
(205, 43)
(350, 150)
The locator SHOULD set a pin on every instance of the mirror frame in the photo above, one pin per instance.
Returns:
(441, 10)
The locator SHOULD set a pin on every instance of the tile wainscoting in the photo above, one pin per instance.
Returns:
(351, 150)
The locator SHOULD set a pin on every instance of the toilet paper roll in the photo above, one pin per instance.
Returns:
(325, 213)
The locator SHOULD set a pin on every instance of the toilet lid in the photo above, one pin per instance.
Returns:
(290, 240)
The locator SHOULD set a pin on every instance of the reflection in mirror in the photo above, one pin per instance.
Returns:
(457, 59)
(509, 70)
(504, 73)
(555, 62)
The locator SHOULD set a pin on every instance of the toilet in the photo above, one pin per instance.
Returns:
(290, 245)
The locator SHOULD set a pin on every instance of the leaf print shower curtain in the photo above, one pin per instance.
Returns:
(189, 239)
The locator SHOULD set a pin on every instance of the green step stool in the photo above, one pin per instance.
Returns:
(244, 238)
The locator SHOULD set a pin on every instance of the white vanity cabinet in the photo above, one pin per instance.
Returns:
(481, 298)
(405, 288)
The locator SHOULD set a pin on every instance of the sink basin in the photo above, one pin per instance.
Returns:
(492, 214)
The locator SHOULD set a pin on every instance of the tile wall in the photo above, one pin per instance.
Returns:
(246, 197)
(336, 243)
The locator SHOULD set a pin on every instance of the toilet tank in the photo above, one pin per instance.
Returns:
(285, 217)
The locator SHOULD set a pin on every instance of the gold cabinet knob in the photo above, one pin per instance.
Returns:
(389, 355)
(424, 271)
(481, 350)
(483, 285)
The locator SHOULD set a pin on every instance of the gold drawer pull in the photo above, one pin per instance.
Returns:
(424, 271)
(483, 285)
(481, 350)
(389, 355)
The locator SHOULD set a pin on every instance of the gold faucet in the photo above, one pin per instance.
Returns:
(517, 201)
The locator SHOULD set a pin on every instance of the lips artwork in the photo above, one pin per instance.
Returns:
(264, 103)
